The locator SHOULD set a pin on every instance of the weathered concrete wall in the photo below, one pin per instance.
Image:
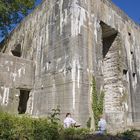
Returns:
(45, 37)
(71, 41)
(15, 74)
(121, 97)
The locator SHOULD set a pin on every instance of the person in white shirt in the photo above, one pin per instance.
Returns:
(68, 121)
(102, 125)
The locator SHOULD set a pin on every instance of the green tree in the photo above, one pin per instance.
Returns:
(12, 12)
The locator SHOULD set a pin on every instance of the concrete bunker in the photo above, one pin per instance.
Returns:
(108, 50)
(23, 99)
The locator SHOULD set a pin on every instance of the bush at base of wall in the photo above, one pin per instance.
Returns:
(14, 127)
(26, 128)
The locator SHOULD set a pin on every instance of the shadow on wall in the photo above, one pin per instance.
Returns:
(108, 36)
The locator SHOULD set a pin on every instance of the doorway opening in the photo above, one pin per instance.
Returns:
(110, 52)
(23, 99)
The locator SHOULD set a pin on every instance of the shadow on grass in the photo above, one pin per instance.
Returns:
(109, 137)
(128, 135)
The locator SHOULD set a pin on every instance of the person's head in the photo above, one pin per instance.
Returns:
(101, 116)
(68, 114)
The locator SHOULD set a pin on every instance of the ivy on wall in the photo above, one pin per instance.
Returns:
(97, 102)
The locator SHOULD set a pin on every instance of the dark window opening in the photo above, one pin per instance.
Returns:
(17, 51)
(131, 52)
(124, 72)
(134, 74)
(129, 33)
(23, 99)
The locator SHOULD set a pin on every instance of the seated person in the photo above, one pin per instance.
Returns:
(68, 121)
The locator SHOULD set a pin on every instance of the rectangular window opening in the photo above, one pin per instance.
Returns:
(125, 72)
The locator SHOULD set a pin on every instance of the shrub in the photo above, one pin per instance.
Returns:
(6, 126)
(129, 135)
(75, 133)
(45, 130)
(25, 128)
(54, 116)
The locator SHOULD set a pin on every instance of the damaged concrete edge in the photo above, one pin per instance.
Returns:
(121, 13)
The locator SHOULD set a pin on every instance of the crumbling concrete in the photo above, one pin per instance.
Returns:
(65, 43)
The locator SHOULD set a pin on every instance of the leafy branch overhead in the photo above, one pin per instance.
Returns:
(12, 12)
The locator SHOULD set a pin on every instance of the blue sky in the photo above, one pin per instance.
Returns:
(130, 7)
